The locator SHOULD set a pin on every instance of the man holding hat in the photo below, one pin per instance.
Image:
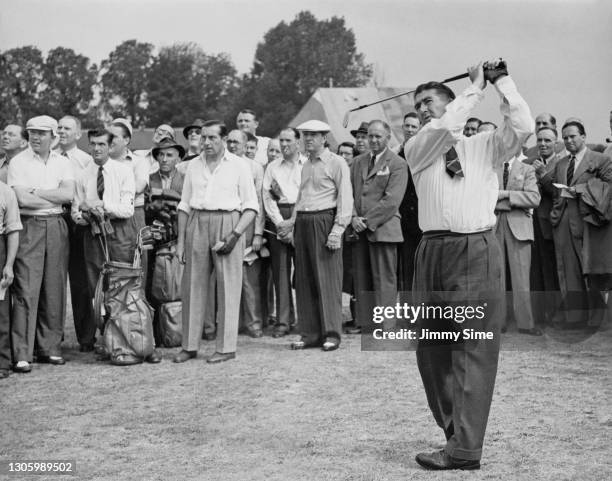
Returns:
(322, 212)
(361, 138)
(42, 180)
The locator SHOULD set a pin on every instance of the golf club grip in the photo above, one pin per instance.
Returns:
(456, 77)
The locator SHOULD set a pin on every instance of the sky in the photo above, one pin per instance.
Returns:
(558, 51)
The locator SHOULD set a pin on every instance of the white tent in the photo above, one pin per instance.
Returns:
(331, 104)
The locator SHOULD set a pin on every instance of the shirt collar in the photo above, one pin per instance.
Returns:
(324, 156)
(579, 155)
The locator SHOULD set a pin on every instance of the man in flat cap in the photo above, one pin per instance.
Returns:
(42, 180)
(361, 138)
(322, 212)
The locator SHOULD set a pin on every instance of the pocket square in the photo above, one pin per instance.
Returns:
(384, 171)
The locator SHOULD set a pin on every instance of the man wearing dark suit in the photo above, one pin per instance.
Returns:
(379, 180)
(518, 196)
(544, 277)
(573, 172)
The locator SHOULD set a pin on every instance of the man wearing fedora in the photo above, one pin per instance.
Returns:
(43, 181)
(361, 138)
(322, 212)
(163, 131)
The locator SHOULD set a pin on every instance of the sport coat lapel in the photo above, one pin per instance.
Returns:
(381, 160)
(583, 166)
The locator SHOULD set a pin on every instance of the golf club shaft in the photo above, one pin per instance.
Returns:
(451, 79)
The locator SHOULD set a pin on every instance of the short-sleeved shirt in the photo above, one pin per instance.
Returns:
(29, 170)
(9, 211)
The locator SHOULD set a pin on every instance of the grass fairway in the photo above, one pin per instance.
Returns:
(277, 414)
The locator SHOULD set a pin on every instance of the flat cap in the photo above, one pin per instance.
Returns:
(42, 122)
(314, 126)
(125, 122)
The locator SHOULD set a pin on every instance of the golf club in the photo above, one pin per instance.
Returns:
(348, 114)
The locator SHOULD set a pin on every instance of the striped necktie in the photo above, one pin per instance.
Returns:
(100, 183)
(506, 172)
(570, 170)
(453, 167)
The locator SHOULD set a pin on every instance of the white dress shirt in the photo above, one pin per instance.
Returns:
(78, 159)
(141, 168)
(29, 170)
(257, 172)
(261, 155)
(118, 197)
(465, 204)
(288, 176)
(229, 187)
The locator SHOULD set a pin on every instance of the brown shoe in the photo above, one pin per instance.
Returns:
(218, 357)
(185, 356)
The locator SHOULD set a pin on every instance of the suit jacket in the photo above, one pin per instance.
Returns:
(524, 197)
(378, 194)
(593, 164)
(542, 212)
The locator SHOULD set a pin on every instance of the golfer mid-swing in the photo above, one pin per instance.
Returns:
(457, 186)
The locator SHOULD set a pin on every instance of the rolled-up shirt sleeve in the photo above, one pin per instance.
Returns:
(518, 123)
(186, 194)
(125, 207)
(246, 190)
(12, 220)
(269, 203)
(344, 202)
(439, 135)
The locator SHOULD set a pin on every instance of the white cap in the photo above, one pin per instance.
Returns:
(125, 122)
(42, 122)
(314, 126)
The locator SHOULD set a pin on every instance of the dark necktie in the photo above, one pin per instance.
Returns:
(372, 163)
(64, 154)
(453, 167)
(570, 170)
(506, 172)
(100, 183)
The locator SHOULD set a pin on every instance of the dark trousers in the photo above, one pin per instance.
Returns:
(543, 276)
(5, 316)
(459, 379)
(121, 246)
(253, 298)
(282, 256)
(82, 310)
(318, 278)
(39, 288)
(374, 270)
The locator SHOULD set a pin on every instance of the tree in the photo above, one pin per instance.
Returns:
(21, 77)
(294, 60)
(69, 80)
(184, 83)
(124, 75)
